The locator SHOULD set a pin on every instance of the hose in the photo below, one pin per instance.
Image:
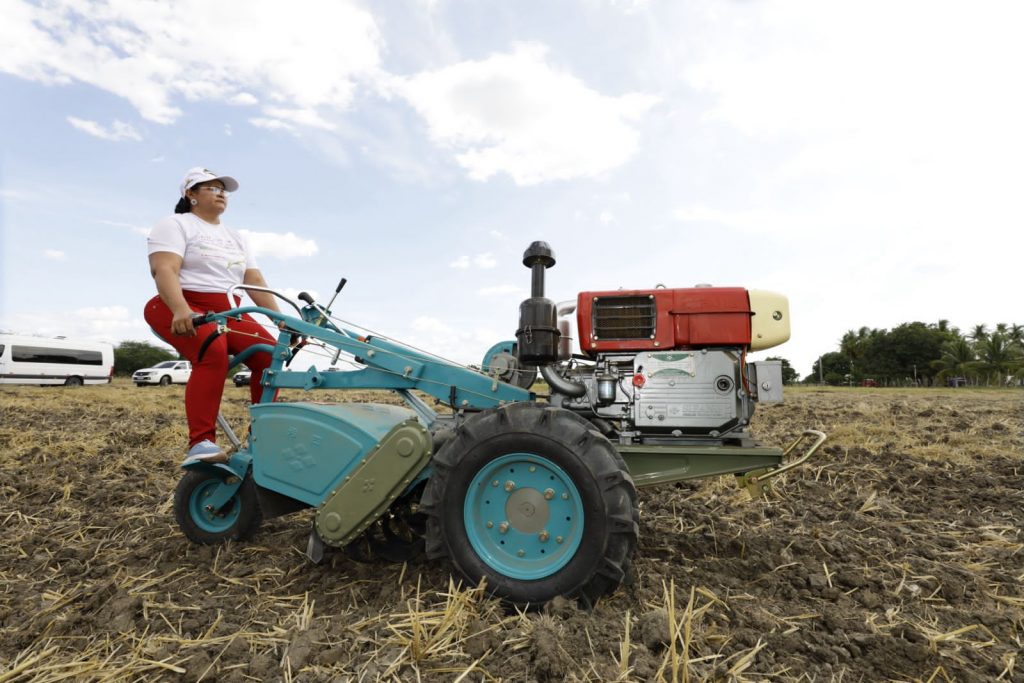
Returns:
(560, 384)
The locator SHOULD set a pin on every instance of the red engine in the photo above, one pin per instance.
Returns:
(663, 319)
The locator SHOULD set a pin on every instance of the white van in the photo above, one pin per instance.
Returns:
(44, 360)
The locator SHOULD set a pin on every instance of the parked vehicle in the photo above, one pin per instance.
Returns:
(25, 359)
(241, 378)
(168, 372)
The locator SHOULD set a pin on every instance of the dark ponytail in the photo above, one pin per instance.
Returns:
(183, 206)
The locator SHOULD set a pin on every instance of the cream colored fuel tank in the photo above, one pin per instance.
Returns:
(769, 326)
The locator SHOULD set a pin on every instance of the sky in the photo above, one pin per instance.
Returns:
(865, 159)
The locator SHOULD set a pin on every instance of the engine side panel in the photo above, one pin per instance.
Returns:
(687, 390)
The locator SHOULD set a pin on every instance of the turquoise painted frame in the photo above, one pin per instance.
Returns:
(389, 365)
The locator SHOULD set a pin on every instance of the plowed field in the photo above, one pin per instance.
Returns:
(896, 555)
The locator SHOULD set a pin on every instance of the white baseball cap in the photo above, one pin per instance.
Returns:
(202, 175)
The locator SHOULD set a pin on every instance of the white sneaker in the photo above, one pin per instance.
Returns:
(205, 451)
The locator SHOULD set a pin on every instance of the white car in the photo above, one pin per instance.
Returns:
(168, 372)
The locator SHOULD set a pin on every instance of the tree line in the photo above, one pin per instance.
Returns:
(922, 354)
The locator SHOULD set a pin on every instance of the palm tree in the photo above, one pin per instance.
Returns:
(1016, 336)
(979, 333)
(946, 330)
(999, 357)
(957, 360)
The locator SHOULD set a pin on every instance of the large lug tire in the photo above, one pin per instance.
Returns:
(165, 381)
(534, 501)
(239, 520)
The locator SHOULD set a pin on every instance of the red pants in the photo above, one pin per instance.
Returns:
(206, 384)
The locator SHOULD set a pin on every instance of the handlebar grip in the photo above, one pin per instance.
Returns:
(340, 285)
(199, 319)
(304, 296)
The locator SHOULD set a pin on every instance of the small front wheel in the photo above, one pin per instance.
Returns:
(238, 520)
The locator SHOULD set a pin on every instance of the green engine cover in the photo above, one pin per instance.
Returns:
(308, 451)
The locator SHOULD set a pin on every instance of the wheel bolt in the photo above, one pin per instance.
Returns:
(558, 539)
(543, 537)
(509, 485)
(503, 527)
(532, 468)
(494, 483)
(565, 496)
(490, 525)
(521, 553)
(549, 494)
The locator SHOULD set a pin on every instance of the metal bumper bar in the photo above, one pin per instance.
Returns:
(755, 481)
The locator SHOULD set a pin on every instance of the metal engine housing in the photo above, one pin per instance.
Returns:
(691, 395)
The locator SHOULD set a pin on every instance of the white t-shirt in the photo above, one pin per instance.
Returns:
(214, 257)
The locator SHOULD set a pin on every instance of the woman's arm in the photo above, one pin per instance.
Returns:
(165, 267)
(253, 276)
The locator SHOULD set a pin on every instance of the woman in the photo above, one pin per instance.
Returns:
(194, 259)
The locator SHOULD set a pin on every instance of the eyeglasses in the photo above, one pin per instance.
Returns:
(216, 190)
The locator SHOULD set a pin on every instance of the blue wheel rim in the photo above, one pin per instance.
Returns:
(206, 519)
(523, 516)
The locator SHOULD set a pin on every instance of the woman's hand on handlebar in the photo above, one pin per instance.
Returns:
(182, 324)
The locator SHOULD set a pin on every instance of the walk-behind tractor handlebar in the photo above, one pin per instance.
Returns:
(537, 499)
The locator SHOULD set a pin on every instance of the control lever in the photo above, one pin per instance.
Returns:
(337, 291)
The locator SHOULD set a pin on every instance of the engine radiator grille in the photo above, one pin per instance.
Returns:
(624, 317)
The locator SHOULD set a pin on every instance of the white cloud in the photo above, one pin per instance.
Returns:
(227, 130)
(303, 117)
(498, 235)
(907, 113)
(118, 130)
(606, 217)
(270, 124)
(629, 6)
(502, 290)
(484, 261)
(98, 323)
(517, 114)
(55, 255)
(243, 99)
(280, 245)
(154, 53)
